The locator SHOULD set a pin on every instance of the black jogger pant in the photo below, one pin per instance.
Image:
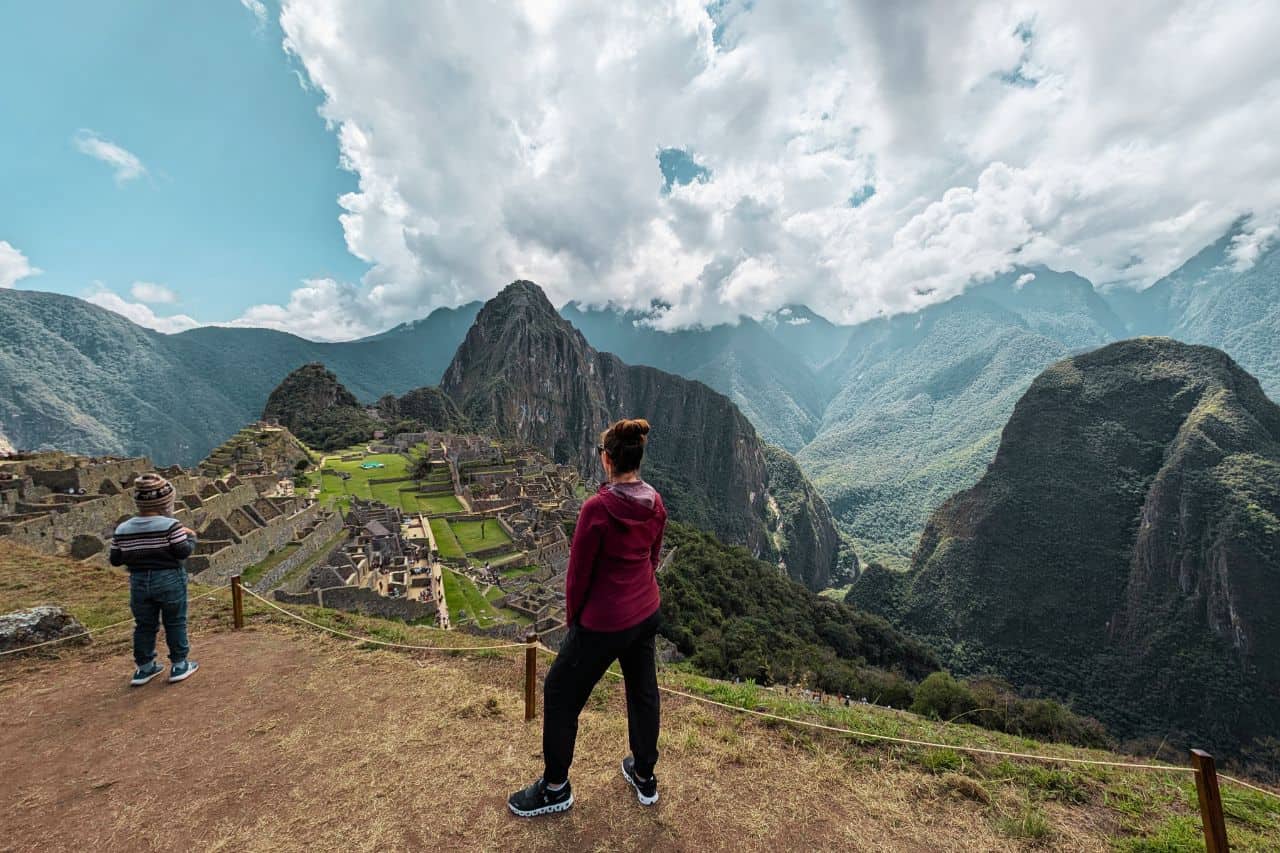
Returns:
(583, 659)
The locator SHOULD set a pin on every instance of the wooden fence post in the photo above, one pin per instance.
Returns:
(531, 676)
(1215, 826)
(237, 602)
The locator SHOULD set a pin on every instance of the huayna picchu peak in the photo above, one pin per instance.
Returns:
(525, 372)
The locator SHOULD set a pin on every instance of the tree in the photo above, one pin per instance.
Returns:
(942, 697)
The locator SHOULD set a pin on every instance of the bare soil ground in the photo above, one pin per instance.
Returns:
(287, 740)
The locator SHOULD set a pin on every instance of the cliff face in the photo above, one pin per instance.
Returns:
(805, 530)
(525, 372)
(1123, 549)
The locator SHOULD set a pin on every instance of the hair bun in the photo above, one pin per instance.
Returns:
(632, 429)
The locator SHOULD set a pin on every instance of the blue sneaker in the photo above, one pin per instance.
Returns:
(182, 670)
(143, 674)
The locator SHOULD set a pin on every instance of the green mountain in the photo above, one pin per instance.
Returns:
(524, 372)
(887, 418)
(1208, 301)
(84, 379)
(313, 405)
(892, 416)
(1122, 552)
(737, 616)
(319, 409)
(919, 399)
(421, 408)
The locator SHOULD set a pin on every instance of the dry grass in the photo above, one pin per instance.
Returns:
(292, 740)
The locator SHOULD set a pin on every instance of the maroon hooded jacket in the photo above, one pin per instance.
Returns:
(612, 583)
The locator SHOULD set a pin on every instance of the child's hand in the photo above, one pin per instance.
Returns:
(189, 532)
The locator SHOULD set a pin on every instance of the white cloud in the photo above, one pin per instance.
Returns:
(14, 265)
(125, 164)
(1250, 243)
(862, 157)
(146, 291)
(258, 9)
(139, 313)
(1024, 279)
(321, 310)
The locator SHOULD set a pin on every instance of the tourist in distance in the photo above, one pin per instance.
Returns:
(611, 604)
(153, 546)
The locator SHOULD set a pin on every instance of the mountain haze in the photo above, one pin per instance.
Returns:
(80, 378)
(919, 399)
(887, 418)
(755, 364)
(1209, 301)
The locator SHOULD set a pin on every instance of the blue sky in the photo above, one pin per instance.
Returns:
(721, 158)
(238, 201)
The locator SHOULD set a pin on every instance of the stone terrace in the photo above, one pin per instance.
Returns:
(58, 503)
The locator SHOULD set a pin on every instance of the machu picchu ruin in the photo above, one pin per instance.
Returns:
(68, 505)
(460, 529)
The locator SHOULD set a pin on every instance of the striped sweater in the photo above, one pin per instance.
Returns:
(149, 543)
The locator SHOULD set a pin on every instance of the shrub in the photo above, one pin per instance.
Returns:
(942, 697)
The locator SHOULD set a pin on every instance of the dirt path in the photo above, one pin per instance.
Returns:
(289, 741)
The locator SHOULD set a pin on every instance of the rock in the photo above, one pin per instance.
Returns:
(667, 651)
(84, 546)
(38, 625)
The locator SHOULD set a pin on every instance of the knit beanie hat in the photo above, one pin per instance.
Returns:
(153, 493)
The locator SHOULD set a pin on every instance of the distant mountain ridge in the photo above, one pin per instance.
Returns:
(910, 409)
(80, 378)
(1122, 552)
(525, 372)
(888, 418)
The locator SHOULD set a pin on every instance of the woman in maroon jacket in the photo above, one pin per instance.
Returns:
(611, 603)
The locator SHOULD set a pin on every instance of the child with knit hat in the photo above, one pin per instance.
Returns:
(154, 546)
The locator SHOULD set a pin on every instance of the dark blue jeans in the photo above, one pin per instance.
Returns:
(156, 596)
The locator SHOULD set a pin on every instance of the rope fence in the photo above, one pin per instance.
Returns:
(376, 641)
(92, 631)
(1202, 768)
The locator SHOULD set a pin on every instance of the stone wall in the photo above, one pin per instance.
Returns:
(90, 474)
(97, 515)
(328, 527)
(255, 545)
(360, 600)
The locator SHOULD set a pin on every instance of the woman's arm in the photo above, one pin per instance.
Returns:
(587, 539)
(656, 550)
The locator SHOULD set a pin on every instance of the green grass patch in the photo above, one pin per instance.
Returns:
(446, 542)
(942, 761)
(333, 487)
(1030, 823)
(478, 535)
(461, 595)
(1181, 834)
(517, 571)
(438, 504)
